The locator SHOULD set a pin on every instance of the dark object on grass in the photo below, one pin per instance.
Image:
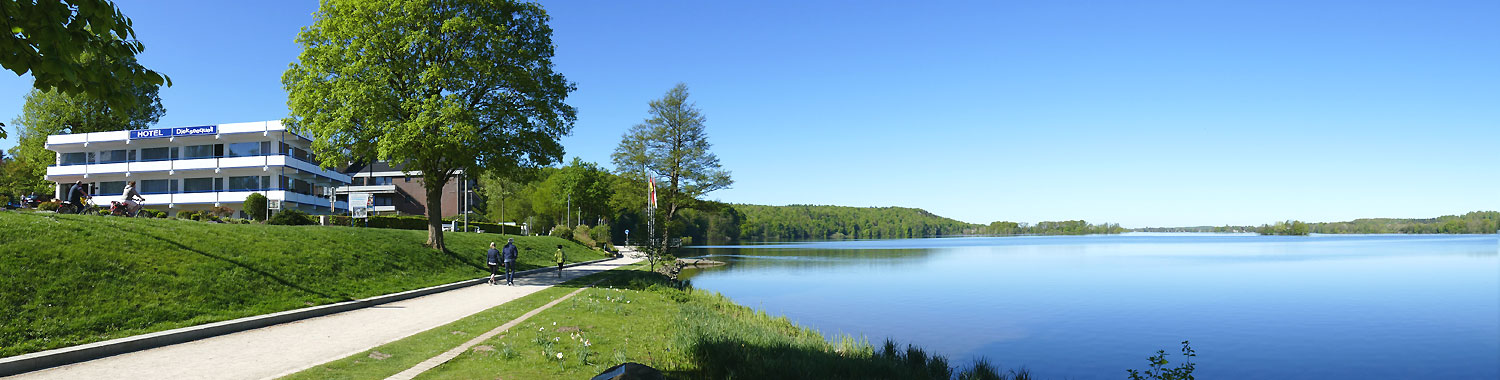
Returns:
(630, 371)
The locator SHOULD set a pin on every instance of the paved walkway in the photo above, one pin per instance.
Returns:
(288, 348)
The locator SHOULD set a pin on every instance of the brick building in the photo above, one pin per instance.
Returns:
(394, 191)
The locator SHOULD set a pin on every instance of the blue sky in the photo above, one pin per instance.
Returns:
(1141, 113)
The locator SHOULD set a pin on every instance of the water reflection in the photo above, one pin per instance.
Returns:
(1082, 307)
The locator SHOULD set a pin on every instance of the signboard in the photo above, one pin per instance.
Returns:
(359, 204)
(170, 132)
(274, 204)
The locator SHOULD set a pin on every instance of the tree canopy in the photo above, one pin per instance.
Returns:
(440, 85)
(77, 47)
(54, 112)
(671, 143)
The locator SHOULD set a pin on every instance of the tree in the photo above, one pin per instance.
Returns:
(439, 85)
(671, 143)
(255, 205)
(55, 112)
(76, 47)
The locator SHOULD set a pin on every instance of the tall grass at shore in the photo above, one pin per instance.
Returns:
(644, 317)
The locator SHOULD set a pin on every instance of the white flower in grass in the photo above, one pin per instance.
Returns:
(554, 323)
(559, 356)
(541, 329)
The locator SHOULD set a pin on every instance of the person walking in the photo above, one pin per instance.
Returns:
(493, 259)
(560, 260)
(509, 253)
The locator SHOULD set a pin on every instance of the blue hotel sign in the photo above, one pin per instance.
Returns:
(170, 132)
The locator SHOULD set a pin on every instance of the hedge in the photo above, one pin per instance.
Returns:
(419, 223)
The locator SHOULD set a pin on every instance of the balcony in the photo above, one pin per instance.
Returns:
(219, 198)
(195, 164)
(367, 189)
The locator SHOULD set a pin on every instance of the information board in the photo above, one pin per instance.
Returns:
(359, 205)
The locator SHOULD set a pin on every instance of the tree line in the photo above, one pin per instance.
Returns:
(1476, 222)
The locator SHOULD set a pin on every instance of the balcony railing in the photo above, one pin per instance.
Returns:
(197, 164)
(218, 198)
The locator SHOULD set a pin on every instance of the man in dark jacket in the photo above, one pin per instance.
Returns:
(510, 254)
(77, 194)
(493, 259)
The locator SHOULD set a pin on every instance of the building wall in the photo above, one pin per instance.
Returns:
(409, 196)
(277, 158)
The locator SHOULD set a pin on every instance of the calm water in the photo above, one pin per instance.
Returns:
(1089, 307)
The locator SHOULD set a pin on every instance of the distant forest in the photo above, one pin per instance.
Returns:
(840, 222)
(797, 222)
(1478, 222)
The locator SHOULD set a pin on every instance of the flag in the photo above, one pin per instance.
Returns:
(651, 185)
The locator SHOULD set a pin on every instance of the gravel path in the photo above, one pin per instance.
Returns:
(288, 348)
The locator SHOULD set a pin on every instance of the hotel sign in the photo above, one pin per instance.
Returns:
(171, 132)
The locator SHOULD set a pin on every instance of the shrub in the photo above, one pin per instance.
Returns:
(153, 213)
(255, 205)
(184, 214)
(291, 218)
(48, 205)
(1158, 369)
(221, 211)
(600, 233)
(581, 235)
(562, 232)
(101, 212)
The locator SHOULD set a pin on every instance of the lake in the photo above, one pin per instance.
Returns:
(1089, 307)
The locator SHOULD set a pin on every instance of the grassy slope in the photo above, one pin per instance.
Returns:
(635, 315)
(67, 279)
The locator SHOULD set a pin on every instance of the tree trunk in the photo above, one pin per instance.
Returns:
(434, 212)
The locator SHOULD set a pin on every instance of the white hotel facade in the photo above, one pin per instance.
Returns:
(195, 168)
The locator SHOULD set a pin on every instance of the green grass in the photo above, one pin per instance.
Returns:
(637, 316)
(73, 279)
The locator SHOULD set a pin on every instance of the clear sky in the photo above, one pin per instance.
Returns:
(1144, 113)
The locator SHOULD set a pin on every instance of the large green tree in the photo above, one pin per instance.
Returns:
(440, 85)
(671, 143)
(55, 112)
(77, 47)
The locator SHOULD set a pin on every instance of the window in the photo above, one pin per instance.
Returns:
(382, 200)
(249, 149)
(357, 181)
(156, 154)
(75, 158)
(244, 183)
(110, 188)
(198, 185)
(113, 156)
(155, 186)
(198, 151)
(379, 181)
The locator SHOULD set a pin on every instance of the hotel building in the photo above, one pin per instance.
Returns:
(195, 168)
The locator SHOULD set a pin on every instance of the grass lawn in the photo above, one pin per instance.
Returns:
(73, 279)
(634, 315)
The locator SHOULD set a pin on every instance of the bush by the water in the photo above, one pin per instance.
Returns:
(291, 218)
